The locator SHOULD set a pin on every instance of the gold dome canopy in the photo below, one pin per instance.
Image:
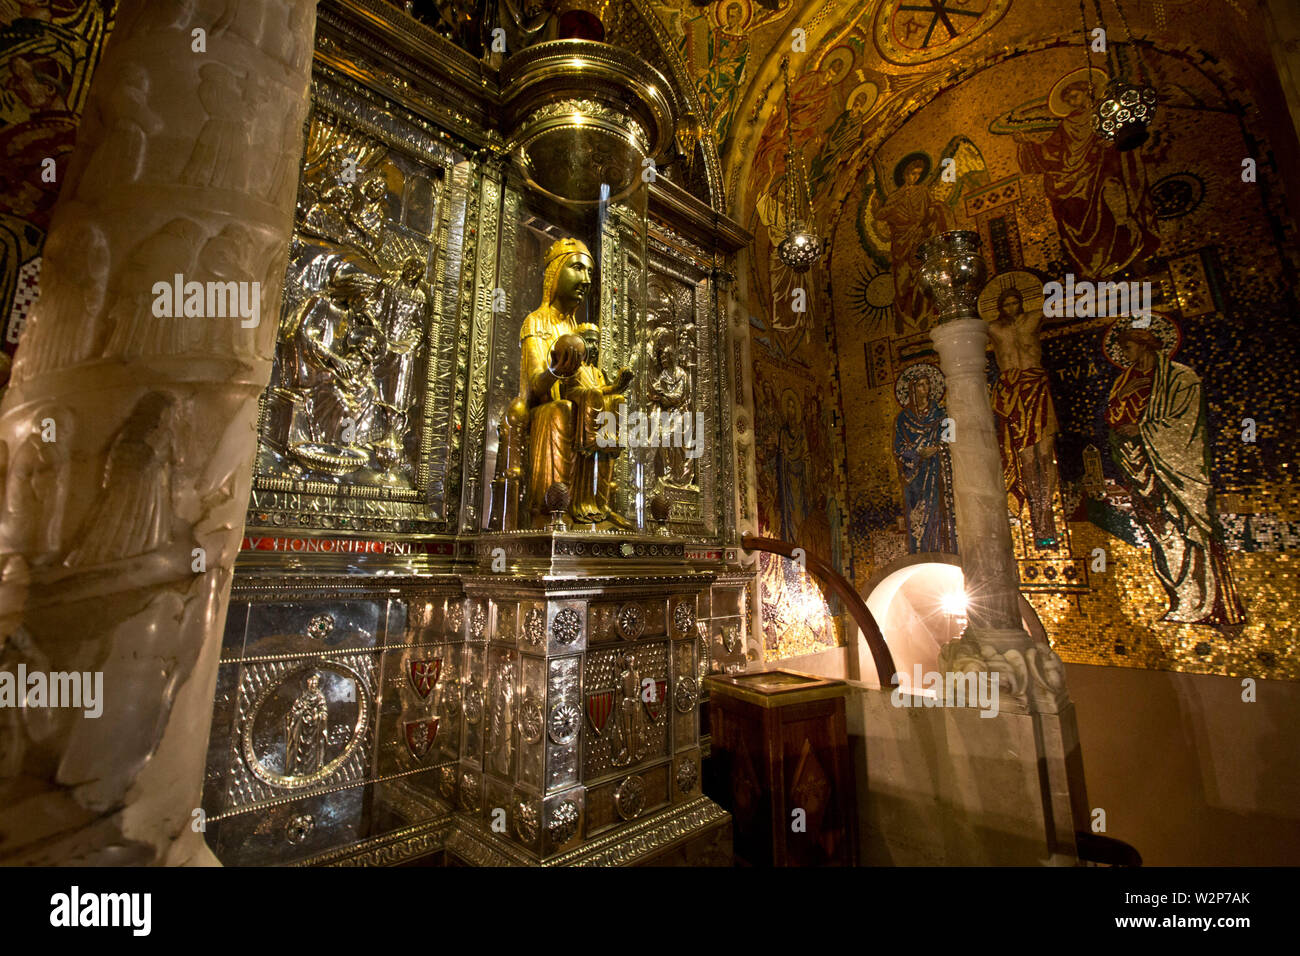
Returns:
(583, 115)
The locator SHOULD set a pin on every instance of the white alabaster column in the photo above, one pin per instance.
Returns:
(983, 528)
(1031, 676)
(128, 435)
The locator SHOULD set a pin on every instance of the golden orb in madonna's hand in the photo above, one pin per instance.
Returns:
(567, 354)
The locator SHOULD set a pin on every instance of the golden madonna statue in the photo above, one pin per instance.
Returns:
(562, 393)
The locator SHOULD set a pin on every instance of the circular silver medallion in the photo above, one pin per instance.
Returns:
(685, 694)
(531, 719)
(567, 625)
(302, 728)
(630, 622)
(562, 728)
(629, 798)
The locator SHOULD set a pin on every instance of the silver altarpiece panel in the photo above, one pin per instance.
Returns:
(359, 430)
(401, 674)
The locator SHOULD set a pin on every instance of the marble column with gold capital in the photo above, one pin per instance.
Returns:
(129, 429)
(952, 273)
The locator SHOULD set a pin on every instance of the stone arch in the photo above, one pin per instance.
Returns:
(897, 597)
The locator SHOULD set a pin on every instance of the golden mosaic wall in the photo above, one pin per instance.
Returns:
(48, 51)
(1217, 253)
(799, 498)
(887, 96)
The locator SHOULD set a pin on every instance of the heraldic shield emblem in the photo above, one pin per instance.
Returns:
(599, 707)
(420, 735)
(424, 674)
(654, 699)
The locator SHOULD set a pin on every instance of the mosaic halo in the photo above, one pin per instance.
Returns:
(1055, 100)
(1163, 327)
(721, 10)
(1027, 284)
(917, 156)
(837, 63)
(903, 386)
(863, 97)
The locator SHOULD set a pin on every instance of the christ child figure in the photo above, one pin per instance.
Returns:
(591, 393)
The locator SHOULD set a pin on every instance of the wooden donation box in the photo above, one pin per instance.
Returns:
(782, 763)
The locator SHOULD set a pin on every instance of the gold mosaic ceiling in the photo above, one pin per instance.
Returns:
(867, 65)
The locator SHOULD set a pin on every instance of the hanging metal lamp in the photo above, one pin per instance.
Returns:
(801, 247)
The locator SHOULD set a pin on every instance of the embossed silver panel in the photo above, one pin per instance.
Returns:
(312, 627)
(359, 426)
(356, 712)
(626, 718)
(302, 725)
(503, 703)
(563, 691)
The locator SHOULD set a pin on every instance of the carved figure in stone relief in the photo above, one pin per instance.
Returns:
(669, 392)
(63, 328)
(245, 18)
(295, 43)
(132, 515)
(276, 262)
(119, 158)
(284, 174)
(229, 256)
(135, 330)
(22, 726)
(160, 15)
(306, 730)
(220, 155)
(36, 488)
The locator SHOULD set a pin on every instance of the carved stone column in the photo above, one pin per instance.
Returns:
(952, 274)
(130, 428)
(734, 294)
